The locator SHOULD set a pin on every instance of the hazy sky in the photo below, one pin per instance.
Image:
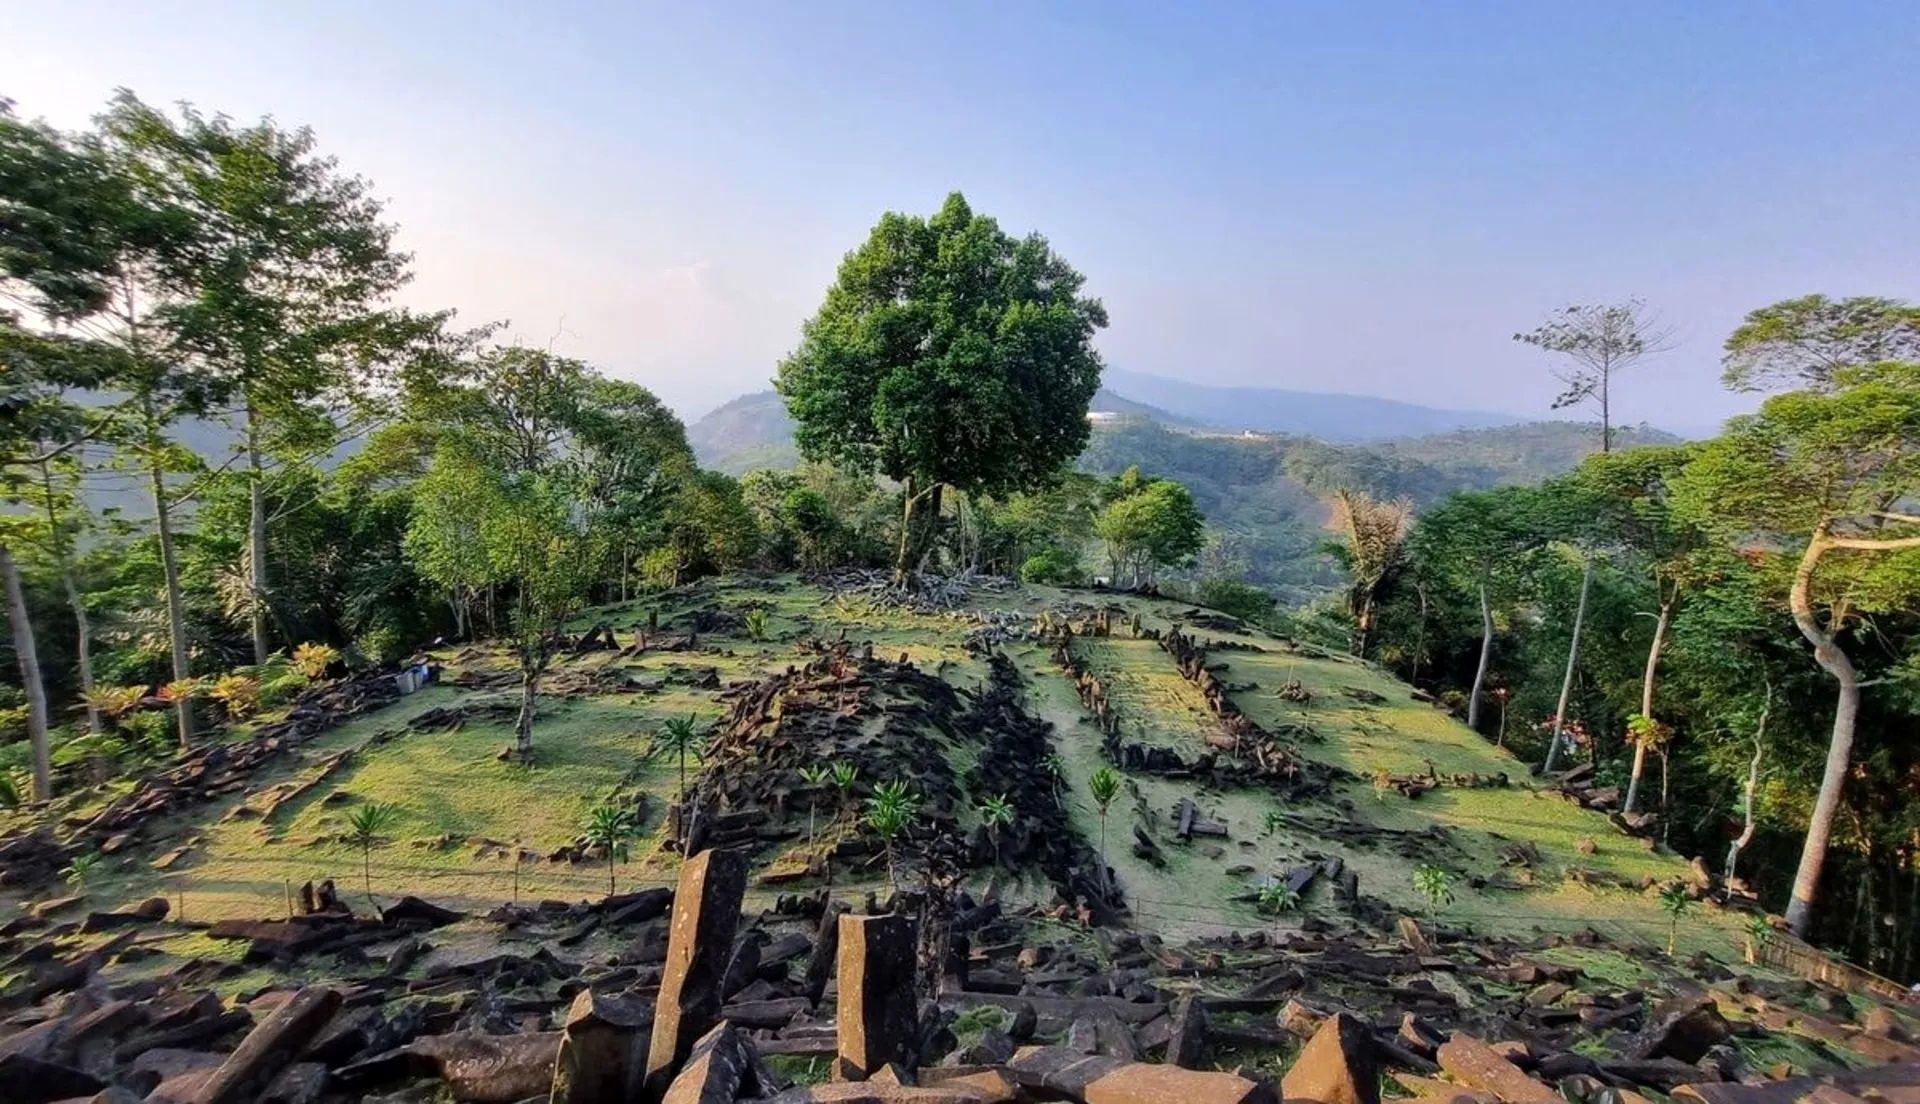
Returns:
(1338, 197)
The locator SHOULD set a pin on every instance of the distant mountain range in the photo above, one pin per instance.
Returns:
(1263, 477)
(754, 431)
(1328, 416)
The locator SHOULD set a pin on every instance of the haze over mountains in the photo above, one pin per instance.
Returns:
(1261, 462)
(754, 431)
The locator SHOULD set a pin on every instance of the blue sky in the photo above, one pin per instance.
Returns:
(1341, 197)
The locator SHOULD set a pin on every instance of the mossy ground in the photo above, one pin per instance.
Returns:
(591, 747)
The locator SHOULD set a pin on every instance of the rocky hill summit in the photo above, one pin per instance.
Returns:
(980, 842)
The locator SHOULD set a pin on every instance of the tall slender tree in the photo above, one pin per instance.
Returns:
(280, 289)
(1598, 342)
(1825, 480)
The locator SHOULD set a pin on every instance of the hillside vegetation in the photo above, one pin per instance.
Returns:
(471, 828)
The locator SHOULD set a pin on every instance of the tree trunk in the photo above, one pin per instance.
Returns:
(1833, 659)
(1573, 659)
(29, 657)
(523, 725)
(1486, 657)
(1419, 637)
(1749, 825)
(256, 535)
(916, 527)
(82, 624)
(1363, 625)
(170, 567)
(1646, 700)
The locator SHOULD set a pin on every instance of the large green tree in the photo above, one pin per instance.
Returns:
(1148, 523)
(1476, 543)
(1824, 480)
(280, 289)
(1801, 343)
(948, 353)
(1596, 343)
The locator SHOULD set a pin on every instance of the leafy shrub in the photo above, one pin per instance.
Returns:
(238, 693)
(116, 702)
(280, 680)
(382, 643)
(313, 659)
(1236, 599)
(1053, 567)
(100, 754)
(1435, 884)
(151, 730)
(756, 621)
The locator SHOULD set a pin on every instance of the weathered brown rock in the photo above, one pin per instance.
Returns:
(1339, 1065)
(877, 1014)
(1189, 1039)
(873, 1092)
(1477, 1065)
(706, 914)
(1684, 1029)
(1300, 1019)
(270, 1047)
(720, 1064)
(603, 1049)
(492, 1069)
(1140, 1083)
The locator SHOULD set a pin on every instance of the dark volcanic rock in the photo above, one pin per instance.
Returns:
(877, 1015)
(706, 912)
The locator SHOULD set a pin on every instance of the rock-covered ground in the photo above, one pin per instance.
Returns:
(231, 943)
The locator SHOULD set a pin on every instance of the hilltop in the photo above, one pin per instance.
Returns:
(1294, 832)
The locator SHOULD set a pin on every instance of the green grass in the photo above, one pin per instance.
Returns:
(589, 749)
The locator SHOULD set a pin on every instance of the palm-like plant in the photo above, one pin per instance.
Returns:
(680, 738)
(756, 621)
(240, 694)
(1056, 767)
(80, 867)
(996, 813)
(1104, 786)
(890, 811)
(1277, 898)
(115, 702)
(1434, 883)
(845, 774)
(610, 827)
(1674, 900)
(364, 827)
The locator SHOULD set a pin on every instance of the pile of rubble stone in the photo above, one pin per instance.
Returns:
(892, 722)
(700, 1003)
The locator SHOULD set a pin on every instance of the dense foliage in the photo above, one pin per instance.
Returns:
(1752, 634)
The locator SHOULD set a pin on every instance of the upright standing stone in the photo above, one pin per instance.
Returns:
(1339, 1065)
(603, 1050)
(706, 913)
(877, 1017)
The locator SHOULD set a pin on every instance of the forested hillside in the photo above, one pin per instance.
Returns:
(1264, 494)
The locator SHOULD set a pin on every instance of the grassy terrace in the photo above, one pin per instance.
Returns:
(464, 814)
